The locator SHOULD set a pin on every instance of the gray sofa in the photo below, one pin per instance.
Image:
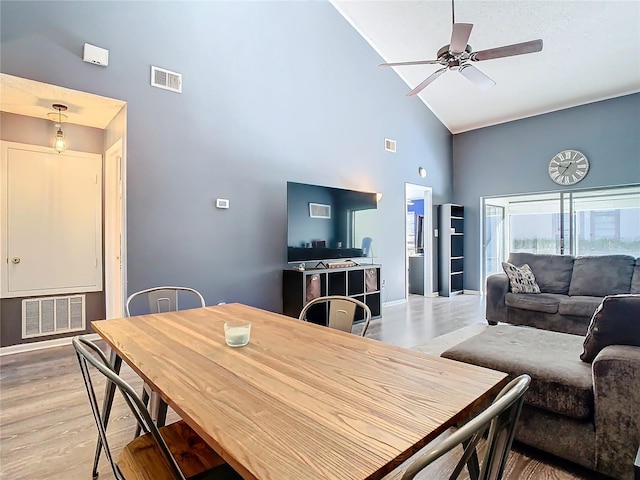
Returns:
(587, 413)
(571, 290)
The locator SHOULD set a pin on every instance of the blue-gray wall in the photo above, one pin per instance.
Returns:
(273, 92)
(513, 158)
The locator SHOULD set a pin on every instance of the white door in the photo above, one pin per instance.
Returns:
(52, 221)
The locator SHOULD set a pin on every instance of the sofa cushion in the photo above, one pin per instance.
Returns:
(635, 280)
(560, 382)
(602, 275)
(552, 272)
(544, 302)
(579, 306)
(615, 322)
(521, 279)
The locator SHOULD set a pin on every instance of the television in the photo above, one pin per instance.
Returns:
(327, 223)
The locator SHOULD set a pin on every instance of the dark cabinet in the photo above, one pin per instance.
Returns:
(451, 221)
(361, 282)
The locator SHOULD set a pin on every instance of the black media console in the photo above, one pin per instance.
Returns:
(361, 282)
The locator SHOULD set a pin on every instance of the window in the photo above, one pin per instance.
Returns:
(588, 222)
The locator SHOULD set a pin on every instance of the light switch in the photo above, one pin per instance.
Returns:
(222, 203)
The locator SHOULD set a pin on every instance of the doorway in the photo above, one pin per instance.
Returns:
(32, 99)
(419, 278)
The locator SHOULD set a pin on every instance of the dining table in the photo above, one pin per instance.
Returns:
(299, 401)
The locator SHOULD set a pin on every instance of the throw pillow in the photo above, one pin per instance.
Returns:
(521, 278)
(615, 322)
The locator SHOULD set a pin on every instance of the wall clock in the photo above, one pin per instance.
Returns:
(568, 167)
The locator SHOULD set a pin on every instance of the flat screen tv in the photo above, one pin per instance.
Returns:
(327, 223)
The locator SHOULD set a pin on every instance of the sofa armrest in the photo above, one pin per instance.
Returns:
(616, 382)
(497, 288)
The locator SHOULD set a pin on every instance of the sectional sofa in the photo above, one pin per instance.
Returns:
(571, 290)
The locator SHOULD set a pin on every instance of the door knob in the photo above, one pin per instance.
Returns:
(15, 260)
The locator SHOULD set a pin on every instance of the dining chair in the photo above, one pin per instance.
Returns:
(162, 299)
(173, 452)
(500, 418)
(159, 300)
(342, 312)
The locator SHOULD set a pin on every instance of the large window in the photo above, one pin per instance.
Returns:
(534, 224)
(588, 222)
(606, 222)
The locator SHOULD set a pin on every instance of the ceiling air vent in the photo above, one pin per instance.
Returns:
(166, 79)
(390, 145)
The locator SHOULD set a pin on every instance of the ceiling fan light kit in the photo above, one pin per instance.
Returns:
(458, 55)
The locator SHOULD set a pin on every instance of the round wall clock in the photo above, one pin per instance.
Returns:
(568, 167)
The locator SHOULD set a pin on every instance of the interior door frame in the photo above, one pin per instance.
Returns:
(427, 231)
(115, 270)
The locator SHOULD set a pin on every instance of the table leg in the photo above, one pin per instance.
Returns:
(109, 392)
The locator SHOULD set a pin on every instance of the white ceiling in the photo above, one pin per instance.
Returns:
(591, 52)
(35, 99)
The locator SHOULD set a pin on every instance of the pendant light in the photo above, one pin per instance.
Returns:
(59, 145)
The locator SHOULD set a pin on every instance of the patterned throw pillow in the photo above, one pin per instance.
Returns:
(521, 278)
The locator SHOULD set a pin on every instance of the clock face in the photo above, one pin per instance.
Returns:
(568, 167)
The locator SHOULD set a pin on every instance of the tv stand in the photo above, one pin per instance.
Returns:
(361, 282)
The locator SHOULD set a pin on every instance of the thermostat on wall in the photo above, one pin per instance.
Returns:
(95, 55)
(222, 203)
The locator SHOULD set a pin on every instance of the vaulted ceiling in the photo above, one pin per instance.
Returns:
(591, 52)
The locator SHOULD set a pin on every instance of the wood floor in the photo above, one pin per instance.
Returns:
(47, 430)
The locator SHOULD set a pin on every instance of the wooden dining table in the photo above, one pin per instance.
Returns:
(300, 401)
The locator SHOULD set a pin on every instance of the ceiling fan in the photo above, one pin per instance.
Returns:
(458, 55)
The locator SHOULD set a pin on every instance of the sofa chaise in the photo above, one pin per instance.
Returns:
(584, 401)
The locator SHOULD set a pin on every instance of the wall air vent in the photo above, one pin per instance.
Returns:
(166, 79)
(390, 145)
(51, 315)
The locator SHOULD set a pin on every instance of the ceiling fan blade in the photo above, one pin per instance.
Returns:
(460, 37)
(476, 76)
(508, 50)
(428, 80)
(400, 64)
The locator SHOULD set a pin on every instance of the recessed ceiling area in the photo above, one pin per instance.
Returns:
(591, 53)
(35, 99)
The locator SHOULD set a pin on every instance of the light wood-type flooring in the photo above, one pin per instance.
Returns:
(47, 430)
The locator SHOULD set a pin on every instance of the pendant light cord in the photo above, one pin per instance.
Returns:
(453, 14)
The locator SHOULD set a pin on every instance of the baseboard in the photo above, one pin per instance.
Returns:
(395, 302)
(32, 346)
(471, 292)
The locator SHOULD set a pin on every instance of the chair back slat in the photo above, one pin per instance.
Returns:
(341, 315)
(90, 355)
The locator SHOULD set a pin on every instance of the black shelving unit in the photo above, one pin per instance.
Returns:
(361, 282)
(451, 221)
